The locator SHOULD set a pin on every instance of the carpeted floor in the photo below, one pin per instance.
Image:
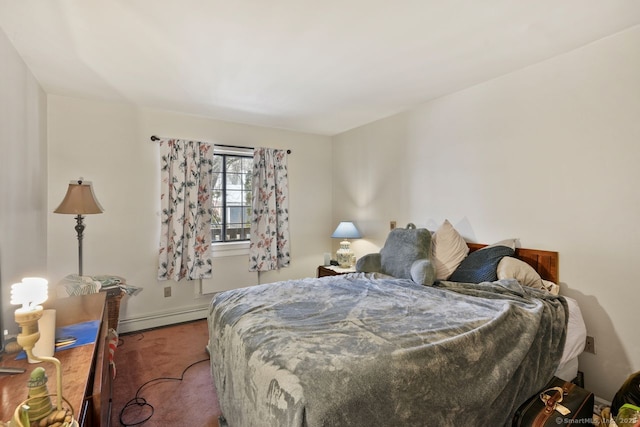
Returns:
(164, 353)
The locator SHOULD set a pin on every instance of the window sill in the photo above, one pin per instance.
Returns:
(225, 249)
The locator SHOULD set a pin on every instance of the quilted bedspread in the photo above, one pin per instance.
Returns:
(354, 350)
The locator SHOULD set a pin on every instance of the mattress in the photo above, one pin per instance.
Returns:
(574, 343)
(568, 370)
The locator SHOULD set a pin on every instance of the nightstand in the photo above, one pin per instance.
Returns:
(334, 270)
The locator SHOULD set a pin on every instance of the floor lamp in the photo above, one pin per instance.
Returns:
(79, 201)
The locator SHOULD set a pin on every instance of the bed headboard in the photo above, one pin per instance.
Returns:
(544, 262)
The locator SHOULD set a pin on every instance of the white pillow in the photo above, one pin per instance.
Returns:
(513, 268)
(510, 243)
(449, 249)
(551, 287)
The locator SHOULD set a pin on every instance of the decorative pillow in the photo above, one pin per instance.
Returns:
(481, 265)
(506, 242)
(402, 251)
(551, 287)
(513, 268)
(449, 249)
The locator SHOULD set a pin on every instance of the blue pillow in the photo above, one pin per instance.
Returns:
(481, 265)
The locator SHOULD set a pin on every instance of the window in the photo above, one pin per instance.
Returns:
(231, 187)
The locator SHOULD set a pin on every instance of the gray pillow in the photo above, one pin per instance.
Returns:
(402, 249)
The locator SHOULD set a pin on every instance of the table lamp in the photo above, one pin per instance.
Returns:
(79, 201)
(30, 293)
(345, 230)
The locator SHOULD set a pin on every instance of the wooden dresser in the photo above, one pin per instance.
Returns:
(86, 376)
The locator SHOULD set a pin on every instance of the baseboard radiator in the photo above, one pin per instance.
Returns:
(230, 272)
(156, 320)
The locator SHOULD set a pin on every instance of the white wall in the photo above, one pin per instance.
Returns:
(23, 174)
(108, 143)
(548, 154)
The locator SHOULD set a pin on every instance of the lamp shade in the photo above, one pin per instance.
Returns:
(79, 200)
(346, 230)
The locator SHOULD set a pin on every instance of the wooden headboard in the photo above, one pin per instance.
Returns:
(544, 262)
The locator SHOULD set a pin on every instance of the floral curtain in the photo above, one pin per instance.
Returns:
(185, 199)
(269, 249)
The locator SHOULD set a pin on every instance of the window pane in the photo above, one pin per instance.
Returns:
(217, 163)
(216, 180)
(234, 164)
(234, 180)
(247, 165)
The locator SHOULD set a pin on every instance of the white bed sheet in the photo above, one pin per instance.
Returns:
(568, 370)
(574, 344)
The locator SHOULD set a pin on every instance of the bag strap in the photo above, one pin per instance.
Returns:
(551, 398)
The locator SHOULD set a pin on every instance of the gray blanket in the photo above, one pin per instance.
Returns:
(355, 351)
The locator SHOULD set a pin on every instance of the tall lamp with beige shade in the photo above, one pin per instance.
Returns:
(79, 200)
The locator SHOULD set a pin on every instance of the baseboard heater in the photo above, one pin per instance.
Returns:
(156, 320)
(228, 273)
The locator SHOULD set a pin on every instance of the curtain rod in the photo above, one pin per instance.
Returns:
(155, 138)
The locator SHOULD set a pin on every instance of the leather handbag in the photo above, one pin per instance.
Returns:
(559, 403)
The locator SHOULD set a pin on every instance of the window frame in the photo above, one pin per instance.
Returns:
(231, 246)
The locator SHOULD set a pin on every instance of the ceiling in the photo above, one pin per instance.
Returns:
(315, 66)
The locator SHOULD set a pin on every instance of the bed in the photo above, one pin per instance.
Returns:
(365, 349)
